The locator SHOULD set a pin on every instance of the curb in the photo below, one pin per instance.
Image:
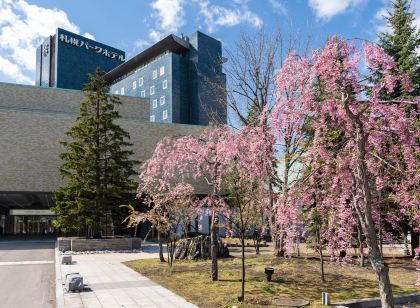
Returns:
(59, 293)
(376, 302)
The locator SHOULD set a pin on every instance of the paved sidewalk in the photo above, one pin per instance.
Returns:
(109, 283)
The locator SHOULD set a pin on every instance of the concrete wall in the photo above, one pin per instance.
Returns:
(33, 121)
(82, 244)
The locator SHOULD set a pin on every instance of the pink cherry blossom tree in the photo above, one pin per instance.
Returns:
(250, 168)
(171, 202)
(289, 124)
(169, 210)
(361, 142)
(202, 159)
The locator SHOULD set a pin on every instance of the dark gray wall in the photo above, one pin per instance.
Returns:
(196, 89)
(71, 58)
(208, 82)
(51, 100)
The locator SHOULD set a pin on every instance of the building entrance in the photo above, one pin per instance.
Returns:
(30, 222)
(31, 225)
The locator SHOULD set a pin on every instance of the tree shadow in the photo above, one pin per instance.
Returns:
(230, 280)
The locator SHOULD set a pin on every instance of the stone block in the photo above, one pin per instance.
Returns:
(136, 243)
(74, 282)
(66, 259)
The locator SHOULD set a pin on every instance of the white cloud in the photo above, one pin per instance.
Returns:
(216, 16)
(11, 69)
(155, 35)
(278, 6)
(415, 5)
(23, 27)
(326, 9)
(170, 14)
(89, 36)
(380, 22)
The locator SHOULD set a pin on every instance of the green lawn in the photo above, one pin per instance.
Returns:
(293, 278)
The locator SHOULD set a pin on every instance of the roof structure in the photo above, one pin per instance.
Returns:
(171, 42)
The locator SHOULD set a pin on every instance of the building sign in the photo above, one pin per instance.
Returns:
(88, 46)
(21, 212)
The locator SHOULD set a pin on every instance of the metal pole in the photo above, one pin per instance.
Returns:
(325, 299)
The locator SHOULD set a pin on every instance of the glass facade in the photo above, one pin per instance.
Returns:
(150, 85)
(26, 214)
(32, 225)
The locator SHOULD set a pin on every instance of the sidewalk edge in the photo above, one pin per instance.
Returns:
(59, 293)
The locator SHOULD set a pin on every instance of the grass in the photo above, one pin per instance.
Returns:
(293, 278)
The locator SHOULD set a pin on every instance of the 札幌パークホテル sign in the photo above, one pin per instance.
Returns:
(89, 46)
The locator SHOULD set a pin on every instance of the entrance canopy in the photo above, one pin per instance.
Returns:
(25, 200)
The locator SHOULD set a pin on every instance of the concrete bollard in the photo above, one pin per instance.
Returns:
(66, 259)
(325, 299)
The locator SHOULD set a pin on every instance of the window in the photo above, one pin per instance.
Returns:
(116, 92)
(155, 103)
(165, 114)
(134, 85)
(162, 100)
(143, 93)
(122, 91)
(152, 90)
(140, 81)
(164, 84)
(162, 71)
(152, 118)
(154, 74)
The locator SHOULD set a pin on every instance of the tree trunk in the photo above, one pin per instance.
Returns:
(375, 254)
(360, 240)
(321, 256)
(242, 297)
(273, 222)
(364, 212)
(280, 250)
(213, 236)
(257, 241)
(367, 223)
(161, 257)
(170, 248)
(414, 241)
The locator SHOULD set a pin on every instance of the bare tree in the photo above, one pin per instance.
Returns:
(251, 73)
(251, 70)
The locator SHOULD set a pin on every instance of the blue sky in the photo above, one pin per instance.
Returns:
(132, 25)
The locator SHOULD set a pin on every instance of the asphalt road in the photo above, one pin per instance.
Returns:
(27, 274)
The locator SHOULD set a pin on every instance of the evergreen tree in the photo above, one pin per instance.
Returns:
(403, 43)
(96, 163)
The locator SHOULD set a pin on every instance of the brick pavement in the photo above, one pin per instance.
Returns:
(109, 283)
